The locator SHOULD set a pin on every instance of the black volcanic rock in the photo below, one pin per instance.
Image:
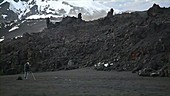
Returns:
(110, 13)
(79, 16)
(127, 41)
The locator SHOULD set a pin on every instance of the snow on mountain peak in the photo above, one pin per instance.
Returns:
(56, 7)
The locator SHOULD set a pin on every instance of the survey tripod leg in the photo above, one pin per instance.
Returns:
(33, 76)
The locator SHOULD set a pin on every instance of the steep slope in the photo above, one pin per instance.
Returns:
(124, 41)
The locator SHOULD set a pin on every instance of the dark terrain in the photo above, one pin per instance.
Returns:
(25, 26)
(127, 42)
(130, 41)
(84, 82)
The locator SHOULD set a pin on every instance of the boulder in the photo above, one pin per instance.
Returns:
(71, 65)
(136, 69)
(19, 78)
(154, 74)
(99, 66)
(163, 72)
(145, 72)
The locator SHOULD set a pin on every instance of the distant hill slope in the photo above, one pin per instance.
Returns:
(18, 28)
(128, 40)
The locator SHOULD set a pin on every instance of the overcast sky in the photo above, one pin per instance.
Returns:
(135, 5)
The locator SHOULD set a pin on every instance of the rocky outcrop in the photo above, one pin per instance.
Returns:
(110, 13)
(163, 72)
(154, 10)
(79, 16)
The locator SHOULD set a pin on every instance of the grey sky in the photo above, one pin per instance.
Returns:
(135, 5)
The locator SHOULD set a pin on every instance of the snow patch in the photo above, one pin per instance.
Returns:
(51, 4)
(18, 7)
(106, 65)
(42, 16)
(2, 38)
(4, 16)
(13, 28)
(18, 37)
(23, 21)
(57, 7)
(102, 64)
(89, 5)
(111, 64)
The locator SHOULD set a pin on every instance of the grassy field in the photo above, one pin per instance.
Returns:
(84, 82)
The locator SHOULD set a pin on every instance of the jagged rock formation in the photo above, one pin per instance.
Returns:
(48, 22)
(154, 10)
(128, 41)
(110, 13)
(79, 16)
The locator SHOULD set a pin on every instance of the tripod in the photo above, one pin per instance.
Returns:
(33, 75)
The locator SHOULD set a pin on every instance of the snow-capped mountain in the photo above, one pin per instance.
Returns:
(33, 9)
